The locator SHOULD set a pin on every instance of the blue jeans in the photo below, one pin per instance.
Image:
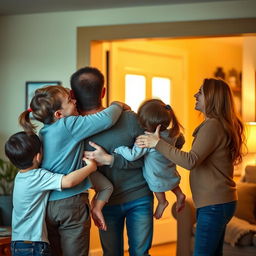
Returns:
(22, 248)
(139, 224)
(210, 229)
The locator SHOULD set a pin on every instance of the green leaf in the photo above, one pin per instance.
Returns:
(7, 175)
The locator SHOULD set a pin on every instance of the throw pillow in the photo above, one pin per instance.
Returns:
(246, 205)
(246, 240)
(239, 232)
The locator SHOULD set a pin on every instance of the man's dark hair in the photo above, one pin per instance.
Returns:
(21, 148)
(87, 84)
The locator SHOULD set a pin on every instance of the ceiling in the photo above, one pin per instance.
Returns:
(13, 7)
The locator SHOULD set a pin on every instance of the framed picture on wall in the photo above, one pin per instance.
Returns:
(31, 86)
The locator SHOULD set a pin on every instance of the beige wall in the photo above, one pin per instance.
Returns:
(43, 46)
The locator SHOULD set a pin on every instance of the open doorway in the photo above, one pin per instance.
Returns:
(173, 70)
(170, 30)
(99, 46)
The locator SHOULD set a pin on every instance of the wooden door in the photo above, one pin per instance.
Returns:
(148, 61)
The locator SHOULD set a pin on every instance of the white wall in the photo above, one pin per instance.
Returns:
(43, 46)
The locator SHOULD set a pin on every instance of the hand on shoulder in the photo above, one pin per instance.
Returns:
(123, 105)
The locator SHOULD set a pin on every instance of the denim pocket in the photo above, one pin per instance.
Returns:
(45, 251)
(22, 252)
(229, 210)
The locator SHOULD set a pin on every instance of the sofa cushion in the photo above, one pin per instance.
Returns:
(245, 240)
(246, 205)
(239, 232)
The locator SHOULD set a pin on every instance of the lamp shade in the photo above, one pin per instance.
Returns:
(250, 132)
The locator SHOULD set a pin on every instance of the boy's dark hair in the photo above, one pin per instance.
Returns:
(21, 148)
(87, 84)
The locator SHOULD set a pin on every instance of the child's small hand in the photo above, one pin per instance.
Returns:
(90, 162)
(122, 104)
(99, 155)
(126, 107)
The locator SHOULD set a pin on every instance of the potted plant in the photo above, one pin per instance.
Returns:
(7, 175)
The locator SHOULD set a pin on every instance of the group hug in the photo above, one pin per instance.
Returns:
(124, 156)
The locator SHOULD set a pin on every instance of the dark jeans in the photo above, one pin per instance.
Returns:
(24, 248)
(138, 215)
(210, 229)
(68, 223)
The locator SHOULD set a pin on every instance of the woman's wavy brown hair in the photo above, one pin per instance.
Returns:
(43, 105)
(219, 104)
(153, 112)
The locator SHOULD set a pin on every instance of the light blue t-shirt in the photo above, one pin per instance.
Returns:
(63, 144)
(30, 197)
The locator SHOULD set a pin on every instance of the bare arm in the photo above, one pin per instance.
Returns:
(74, 178)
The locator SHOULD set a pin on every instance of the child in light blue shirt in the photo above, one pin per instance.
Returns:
(32, 187)
(63, 137)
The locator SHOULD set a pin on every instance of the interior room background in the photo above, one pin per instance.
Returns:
(43, 47)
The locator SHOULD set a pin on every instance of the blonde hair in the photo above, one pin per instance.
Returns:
(219, 104)
(43, 105)
(153, 112)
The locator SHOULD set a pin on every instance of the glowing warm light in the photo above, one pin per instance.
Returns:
(250, 132)
(135, 90)
(161, 88)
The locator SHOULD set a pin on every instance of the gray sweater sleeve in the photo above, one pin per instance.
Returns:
(119, 162)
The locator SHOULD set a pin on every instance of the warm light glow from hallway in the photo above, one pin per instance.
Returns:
(161, 88)
(135, 90)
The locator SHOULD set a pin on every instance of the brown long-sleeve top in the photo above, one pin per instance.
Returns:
(209, 160)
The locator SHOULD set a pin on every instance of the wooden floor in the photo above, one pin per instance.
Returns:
(161, 250)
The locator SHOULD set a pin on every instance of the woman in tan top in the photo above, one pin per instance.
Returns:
(215, 150)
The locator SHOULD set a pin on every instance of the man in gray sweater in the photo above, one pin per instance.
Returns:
(131, 201)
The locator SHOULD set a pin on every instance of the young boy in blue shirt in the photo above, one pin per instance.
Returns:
(31, 191)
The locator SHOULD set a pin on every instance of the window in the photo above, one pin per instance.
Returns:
(161, 88)
(135, 90)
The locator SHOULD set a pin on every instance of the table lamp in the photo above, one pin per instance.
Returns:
(250, 133)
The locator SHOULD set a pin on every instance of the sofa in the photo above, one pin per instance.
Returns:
(240, 236)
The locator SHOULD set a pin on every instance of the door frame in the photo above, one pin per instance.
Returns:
(181, 30)
(187, 29)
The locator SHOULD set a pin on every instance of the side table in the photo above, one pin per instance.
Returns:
(5, 241)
